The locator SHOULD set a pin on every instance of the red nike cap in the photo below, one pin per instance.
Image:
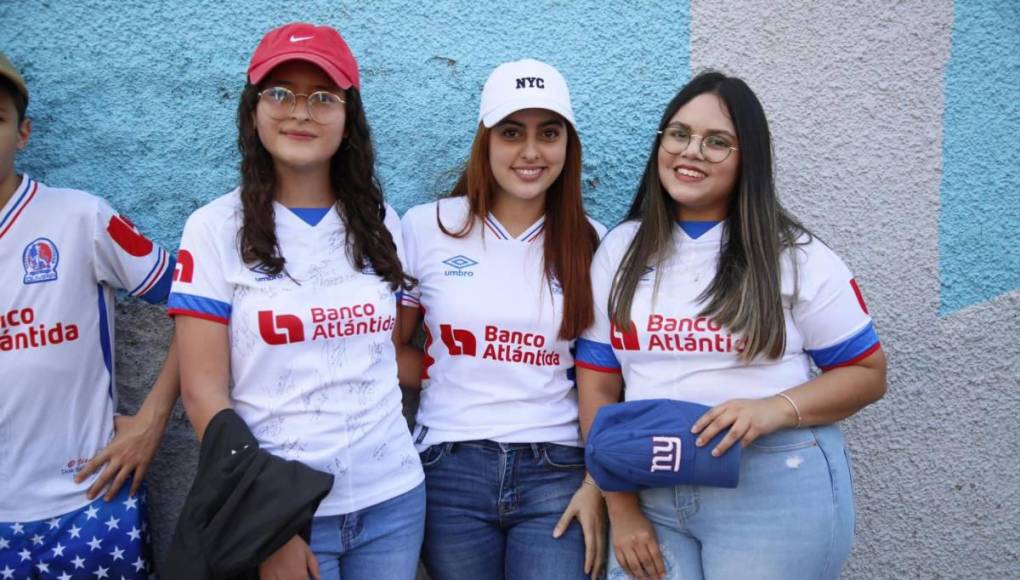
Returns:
(319, 45)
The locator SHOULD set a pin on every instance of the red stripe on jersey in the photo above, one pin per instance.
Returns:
(856, 359)
(156, 275)
(195, 314)
(860, 297)
(426, 360)
(35, 187)
(592, 367)
(494, 230)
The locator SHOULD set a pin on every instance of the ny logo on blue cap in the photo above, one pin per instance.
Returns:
(666, 454)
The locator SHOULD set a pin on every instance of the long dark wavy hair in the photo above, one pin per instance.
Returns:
(352, 176)
(569, 238)
(745, 294)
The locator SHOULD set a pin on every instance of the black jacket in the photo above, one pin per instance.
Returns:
(243, 505)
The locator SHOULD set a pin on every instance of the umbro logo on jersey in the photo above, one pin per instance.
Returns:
(530, 83)
(458, 341)
(460, 265)
(300, 38)
(40, 260)
(184, 271)
(128, 237)
(648, 274)
(626, 339)
(267, 274)
(280, 329)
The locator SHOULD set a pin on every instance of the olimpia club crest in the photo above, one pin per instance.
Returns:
(40, 259)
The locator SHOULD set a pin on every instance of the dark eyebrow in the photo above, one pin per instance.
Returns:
(708, 133)
(519, 125)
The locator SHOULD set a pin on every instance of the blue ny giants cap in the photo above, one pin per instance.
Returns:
(643, 444)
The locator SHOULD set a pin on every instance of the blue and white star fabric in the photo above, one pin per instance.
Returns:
(101, 540)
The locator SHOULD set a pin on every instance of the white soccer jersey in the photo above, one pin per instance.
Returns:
(62, 252)
(672, 352)
(312, 363)
(494, 367)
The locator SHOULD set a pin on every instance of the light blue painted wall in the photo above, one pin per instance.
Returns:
(135, 100)
(979, 230)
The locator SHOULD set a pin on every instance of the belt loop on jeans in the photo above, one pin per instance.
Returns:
(449, 447)
(536, 451)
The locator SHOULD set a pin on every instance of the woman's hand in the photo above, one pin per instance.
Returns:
(747, 419)
(129, 454)
(633, 536)
(293, 561)
(588, 508)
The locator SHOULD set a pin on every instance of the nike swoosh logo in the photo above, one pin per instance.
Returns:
(300, 38)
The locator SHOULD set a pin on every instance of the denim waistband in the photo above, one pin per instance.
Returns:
(496, 446)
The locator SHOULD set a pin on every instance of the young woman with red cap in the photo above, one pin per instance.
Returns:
(503, 264)
(285, 307)
(710, 292)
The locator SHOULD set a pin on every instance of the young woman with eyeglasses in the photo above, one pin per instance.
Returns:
(503, 264)
(711, 292)
(286, 308)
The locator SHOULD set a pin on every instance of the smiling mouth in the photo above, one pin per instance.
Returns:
(529, 173)
(689, 172)
(299, 136)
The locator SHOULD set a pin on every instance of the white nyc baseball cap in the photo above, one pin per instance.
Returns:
(524, 84)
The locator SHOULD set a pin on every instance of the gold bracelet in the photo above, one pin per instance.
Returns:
(796, 409)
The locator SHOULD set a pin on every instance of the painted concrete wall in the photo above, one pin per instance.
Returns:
(896, 136)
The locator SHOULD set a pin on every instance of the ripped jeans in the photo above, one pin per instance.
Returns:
(792, 516)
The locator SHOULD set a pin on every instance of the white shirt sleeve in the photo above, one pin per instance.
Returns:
(200, 288)
(124, 258)
(829, 309)
(412, 297)
(594, 348)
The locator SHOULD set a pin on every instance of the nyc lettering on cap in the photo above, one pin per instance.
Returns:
(524, 84)
(319, 45)
(645, 444)
(10, 73)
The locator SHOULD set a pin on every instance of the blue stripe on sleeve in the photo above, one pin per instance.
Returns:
(104, 337)
(598, 355)
(160, 291)
(192, 303)
(148, 277)
(848, 351)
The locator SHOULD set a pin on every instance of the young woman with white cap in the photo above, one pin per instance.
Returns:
(711, 293)
(503, 264)
(286, 312)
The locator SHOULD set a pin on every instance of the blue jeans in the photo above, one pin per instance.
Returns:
(492, 508)
(792, 516)
(382, 541)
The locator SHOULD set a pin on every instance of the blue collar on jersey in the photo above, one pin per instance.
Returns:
(696, 228)
(310, 215)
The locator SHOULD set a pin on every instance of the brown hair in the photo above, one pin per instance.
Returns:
(569, 239)
(352, 176)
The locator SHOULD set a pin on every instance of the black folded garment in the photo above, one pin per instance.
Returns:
(243, 505)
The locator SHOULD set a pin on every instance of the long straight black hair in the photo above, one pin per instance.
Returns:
(745, 295)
